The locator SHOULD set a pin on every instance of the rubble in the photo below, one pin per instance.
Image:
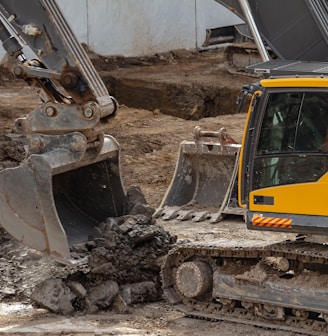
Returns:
(124, 258)
(54, 295)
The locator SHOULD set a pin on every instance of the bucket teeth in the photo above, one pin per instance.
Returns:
(205, 179)
(185, 215)
(201, 216)
(170, 213)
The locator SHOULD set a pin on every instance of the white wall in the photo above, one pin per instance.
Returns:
(143, 27)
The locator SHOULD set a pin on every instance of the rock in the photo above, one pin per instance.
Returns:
(139, 292)
(6, 291)
(119, 304)
(102, 296)
(103, 268)
(143, 209)
(78, 289)
(127, 225)
(135, 202)
(139, 237)
(134, 195)
(54, 295)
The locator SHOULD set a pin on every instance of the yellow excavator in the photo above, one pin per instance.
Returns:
(276, 178)
(281, 187)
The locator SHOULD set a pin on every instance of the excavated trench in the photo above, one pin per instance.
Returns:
(186, 84)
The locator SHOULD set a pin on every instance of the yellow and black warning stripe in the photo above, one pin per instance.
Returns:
(274, 222)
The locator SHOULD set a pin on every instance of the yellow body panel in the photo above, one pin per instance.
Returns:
(295, 82)
(306, 198)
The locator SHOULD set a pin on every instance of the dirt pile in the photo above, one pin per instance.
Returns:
(123, 256)
(118, 266)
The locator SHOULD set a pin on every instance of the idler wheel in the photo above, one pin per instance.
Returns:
(194, 278)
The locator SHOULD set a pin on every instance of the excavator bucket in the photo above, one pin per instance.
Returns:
(204, 185)
(54, 199)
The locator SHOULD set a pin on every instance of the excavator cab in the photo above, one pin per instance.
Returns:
(70, 179)
(284, 161)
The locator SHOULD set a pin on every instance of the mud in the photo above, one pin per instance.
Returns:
(122, 270)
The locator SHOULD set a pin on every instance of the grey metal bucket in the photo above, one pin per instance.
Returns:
(205, 175)
(54, 199)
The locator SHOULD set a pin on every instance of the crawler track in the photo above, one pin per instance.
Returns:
(281, 286)
(240, 55)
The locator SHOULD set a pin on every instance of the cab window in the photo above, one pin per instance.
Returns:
(292, 145)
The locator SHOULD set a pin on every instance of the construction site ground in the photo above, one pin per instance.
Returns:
(149, 134)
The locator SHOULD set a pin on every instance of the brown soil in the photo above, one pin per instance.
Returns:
(149, 143)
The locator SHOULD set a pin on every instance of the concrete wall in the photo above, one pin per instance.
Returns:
(143, 27)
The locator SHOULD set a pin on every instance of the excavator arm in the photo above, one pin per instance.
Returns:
(70, 179)
(60, 62)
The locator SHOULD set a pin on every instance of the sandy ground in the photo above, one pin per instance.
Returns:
(149, 147)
